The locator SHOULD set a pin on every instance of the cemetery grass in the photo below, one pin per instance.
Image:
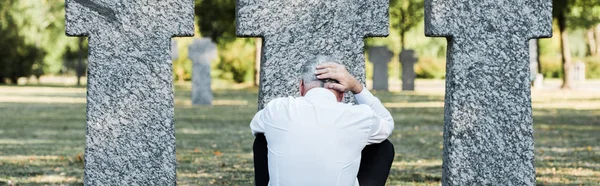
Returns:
(42, 136)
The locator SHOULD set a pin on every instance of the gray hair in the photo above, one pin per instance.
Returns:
(310, 67)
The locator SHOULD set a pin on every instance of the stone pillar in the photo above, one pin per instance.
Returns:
(488, 126)
(130, 138)
(294, 32)
(202, 52)
(408, 58)
(380, 56)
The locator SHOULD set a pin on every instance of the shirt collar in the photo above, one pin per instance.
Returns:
(320, 94)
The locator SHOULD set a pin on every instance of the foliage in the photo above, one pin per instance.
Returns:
(17, 57)
(430, 68)
(405, 15)
(238, 61)
(216, 19)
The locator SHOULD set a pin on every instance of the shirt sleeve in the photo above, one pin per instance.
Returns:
(263, 118)
(383, 122)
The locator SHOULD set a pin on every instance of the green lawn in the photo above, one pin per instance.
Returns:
(42, 136)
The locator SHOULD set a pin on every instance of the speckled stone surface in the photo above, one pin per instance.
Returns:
(130, 134)
(488, 132)
(202, 52)
(294, 31)
(408, 58)
(380, 56)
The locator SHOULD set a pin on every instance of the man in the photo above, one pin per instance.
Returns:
(316, 140)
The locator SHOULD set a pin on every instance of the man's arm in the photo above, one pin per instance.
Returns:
(384, 123)
(257, 125)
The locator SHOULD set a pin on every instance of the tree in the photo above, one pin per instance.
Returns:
(405, 15)
(216, 20)
(579, 14)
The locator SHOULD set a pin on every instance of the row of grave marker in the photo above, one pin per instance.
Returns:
(488, 134)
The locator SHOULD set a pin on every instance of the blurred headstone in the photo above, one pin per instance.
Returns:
(174, 50)
(202, 52)
(579, 71)
(380, 56)
(408, 59)
(130, 137)
(533, 58)
(335, 28)
(488, 131)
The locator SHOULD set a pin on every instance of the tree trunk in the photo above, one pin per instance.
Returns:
(402, 37)
(14, 80)
(257, 60)
(589, 35)
(566, 52)
(2, 79)
(180, 74)
(79, 69)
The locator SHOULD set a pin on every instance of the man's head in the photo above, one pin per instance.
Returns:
(309, 80)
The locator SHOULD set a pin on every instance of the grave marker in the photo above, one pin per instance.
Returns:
(130, 135)
(488, 132)
(295, 31)
(202, 52)
(380, 56)
(408, 59)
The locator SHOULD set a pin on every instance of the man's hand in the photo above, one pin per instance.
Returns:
(338, 72)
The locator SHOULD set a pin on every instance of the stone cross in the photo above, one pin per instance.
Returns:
(129, 132)
(488, 127)
(380, 56)
(295, 31)
(202, 52)
(408, 59)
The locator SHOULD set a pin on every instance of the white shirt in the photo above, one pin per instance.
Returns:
(315, 140)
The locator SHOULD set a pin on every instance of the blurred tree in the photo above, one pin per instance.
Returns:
(17, 57)
(405, 15)
(74, 60)
(216, 19)
(578, 14)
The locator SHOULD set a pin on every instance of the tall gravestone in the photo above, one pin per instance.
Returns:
(294, 31)
(380, 56)
(408, 59)
(488, 132)
(202, 52)
(129, 132)
(174, 50)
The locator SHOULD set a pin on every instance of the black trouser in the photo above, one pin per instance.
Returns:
(374, 166)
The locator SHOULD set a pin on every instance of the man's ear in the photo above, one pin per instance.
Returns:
(340, 96)
(302, 87)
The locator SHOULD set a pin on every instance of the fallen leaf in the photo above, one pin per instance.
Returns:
(217, 153)
(196, 150)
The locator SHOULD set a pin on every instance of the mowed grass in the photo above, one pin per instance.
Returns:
(42, 136)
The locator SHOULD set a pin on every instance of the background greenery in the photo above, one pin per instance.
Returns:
(33, 41)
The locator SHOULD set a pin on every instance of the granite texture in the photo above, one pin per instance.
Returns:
(380, 56)
(129, 130)
(202, 52)
(408, 58)
(488, 133)
(294, 31)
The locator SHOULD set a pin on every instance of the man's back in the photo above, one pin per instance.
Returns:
(315, 140)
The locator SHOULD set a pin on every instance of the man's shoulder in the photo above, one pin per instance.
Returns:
(280, 101)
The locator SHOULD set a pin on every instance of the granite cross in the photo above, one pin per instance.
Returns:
(202, 52)
(129, 133)
(380, 56)
(294, 31)
(488, 132)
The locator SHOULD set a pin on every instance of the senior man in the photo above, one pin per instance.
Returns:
(316, 140)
